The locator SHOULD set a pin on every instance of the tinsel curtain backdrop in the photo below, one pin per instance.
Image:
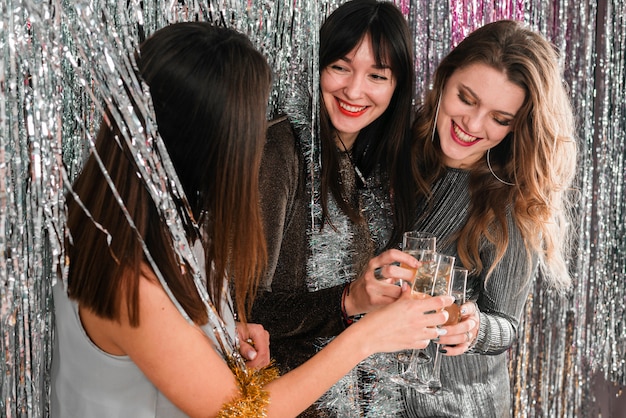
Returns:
(63, 60)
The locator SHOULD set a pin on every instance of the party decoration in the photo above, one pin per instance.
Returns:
(63, 62)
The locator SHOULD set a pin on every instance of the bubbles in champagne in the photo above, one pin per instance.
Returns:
(432, 278)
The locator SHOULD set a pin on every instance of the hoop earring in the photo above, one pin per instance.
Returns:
(494, 174)
(432, 137)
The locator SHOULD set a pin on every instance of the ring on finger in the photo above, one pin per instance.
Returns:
(378, 273)
(468, 337)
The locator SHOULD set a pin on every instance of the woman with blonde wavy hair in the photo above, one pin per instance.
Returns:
(495, 156)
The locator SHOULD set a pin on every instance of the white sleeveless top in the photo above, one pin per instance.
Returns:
(88, 382)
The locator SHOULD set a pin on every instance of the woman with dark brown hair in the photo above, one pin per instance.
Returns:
(337, 199)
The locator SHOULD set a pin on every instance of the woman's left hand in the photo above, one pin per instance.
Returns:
(460, 337)
(254, 344)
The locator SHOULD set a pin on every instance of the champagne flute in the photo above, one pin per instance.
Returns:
(433, 278)
(457, 288)
(416, 243)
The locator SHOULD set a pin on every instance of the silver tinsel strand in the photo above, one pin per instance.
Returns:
(51, 100)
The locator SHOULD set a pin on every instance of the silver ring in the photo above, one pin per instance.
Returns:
(378, 273)
(468, 336)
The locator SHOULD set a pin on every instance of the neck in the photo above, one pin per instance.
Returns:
(345, 142)
(341, 144)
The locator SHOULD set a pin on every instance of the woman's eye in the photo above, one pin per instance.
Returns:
(379, 77)
(465, 99)
(337, 67)
(503, 122)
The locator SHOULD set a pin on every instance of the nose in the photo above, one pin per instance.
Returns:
(354, 87)
(474, 122)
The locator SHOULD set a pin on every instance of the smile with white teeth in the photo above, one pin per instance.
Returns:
(353, 109)
(462, 135)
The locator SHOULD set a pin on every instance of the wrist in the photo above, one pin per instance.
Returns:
(345, 306)
(357, 338)
(480, 335)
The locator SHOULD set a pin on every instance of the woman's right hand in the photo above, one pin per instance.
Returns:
(376, 286)
(408, 323)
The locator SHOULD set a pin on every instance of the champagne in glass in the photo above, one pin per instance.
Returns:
(416, 243)
(424, 281)
(433, 278)
(442, 285)
(459, 284)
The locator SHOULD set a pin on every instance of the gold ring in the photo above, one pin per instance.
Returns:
(250, 341)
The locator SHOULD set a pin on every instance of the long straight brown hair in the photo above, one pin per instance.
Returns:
(209, 88)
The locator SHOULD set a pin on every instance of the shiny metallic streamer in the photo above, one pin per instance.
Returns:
(566, 341)
(468, 15)
(47, 114)
(115, 83)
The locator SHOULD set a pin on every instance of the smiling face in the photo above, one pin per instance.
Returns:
(478, 105)
(356, 91)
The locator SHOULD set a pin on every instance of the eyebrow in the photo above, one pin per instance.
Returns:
(378, 67)
(477, 98)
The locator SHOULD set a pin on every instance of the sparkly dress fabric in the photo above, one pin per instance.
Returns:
(299, 302)
(293, 316)
(477, 383)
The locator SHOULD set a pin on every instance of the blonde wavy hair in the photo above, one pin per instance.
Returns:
(537, 160)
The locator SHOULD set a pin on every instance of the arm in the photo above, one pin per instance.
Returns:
(502, 300)
(180, 361)
(376, 332)
(283, 304)
(499, 302)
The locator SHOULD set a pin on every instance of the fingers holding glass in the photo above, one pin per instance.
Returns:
(433, 278)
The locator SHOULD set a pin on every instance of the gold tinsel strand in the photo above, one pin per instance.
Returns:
(254, 400)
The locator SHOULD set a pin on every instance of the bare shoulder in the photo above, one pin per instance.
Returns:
(104, 332)
(153, 299)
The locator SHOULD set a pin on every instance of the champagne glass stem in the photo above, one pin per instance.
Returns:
(412, 362)
(435, 383)
(410, 376)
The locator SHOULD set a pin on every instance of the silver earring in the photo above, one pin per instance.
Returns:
(432, 138)
(494, 174)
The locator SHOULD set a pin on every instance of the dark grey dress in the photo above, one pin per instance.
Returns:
(477, 383)
(299, 302)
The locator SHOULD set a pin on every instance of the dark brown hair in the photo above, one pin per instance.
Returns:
(209, 88)
(385, 141)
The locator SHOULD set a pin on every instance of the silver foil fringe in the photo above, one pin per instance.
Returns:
(51, 100)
